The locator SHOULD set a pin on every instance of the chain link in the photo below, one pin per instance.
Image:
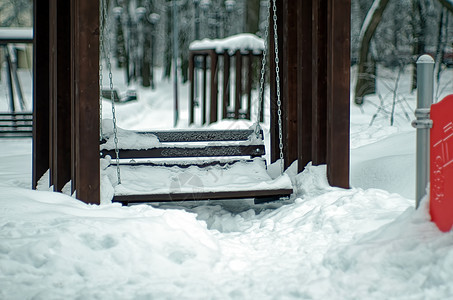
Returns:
(263, 71)
(277, 79)
(109, 68)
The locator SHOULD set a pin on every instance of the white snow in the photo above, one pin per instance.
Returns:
(242, 42)
(16, 33)
(367, 242)
(240, 176)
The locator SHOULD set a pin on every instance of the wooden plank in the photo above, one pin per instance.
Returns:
(201, 135)
(238, 94)
(13, 114)
(62, 105)
(202, 196)
(319, 85)
(16, 124)
(226, 84)
(192, 87)
(183, 164)
(40, 90)
(85, 34)
(204, 98)
(201, 151)
(304, 83)
(274, 132)
(52, 90)
(214, 87)
(289, 81)
(249, 85)
(338, 79)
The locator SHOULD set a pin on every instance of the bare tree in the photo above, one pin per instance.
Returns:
(366, 83)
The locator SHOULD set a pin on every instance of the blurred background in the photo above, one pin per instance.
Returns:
(384, 34)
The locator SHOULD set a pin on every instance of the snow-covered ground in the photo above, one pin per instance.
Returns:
(367, 242)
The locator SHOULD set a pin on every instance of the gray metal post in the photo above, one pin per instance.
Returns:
(425, 89)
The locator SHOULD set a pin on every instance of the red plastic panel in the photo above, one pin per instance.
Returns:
(441, 168)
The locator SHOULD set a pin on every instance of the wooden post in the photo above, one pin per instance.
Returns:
(203, 108)
(59, 94)
(192, 87)
(304, 83)
(262, 102)
(85, 97)
(319, 85)
(238, 95)
(214, 86)
(249, 85)
(62, 106)
(52, 87)
(289, 81)
(226, 84)
(40, 90)
(338, 82)
(275, 151)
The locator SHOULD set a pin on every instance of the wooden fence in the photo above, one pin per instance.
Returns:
(216, 63)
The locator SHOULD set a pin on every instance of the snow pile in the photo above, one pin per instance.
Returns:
(242, 42)
(329, 243)
(127, 139)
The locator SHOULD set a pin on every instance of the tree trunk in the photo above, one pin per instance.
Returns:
(146, 66)
(252, 16)
(365, 79)
(168, 44)
(419, 29)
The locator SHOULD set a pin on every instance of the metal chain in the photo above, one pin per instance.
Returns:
(109, 68)
(277, 79)
(263, 71)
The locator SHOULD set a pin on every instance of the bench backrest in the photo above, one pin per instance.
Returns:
(196, 143)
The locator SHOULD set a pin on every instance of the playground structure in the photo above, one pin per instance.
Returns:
(220, 62)
(17, 122)
(314, 38)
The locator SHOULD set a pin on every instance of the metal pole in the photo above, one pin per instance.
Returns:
(425, 89)
(9, 80)
(175, 59)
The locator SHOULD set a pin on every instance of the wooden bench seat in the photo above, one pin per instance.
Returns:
(218, 150)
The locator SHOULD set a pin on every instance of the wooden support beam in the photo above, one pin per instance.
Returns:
(226, 84)
(289, 80)
(62, 106)
(204, 98)
(249, 85)
(40, 90)
(192, 88)
(274, 132)
(214, 86)
(305, 76)
(52, 87)
(238, 95)
(85, 98)
(338, 81)
(319, 84)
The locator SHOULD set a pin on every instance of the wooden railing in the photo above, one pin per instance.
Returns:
(243, 64)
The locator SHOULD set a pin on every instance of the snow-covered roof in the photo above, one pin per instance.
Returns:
(243, 42)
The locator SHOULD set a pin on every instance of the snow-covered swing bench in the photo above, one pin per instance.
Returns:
(190, 165)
